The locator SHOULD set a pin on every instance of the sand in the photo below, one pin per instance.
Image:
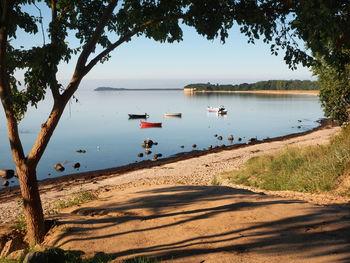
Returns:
(174, 213)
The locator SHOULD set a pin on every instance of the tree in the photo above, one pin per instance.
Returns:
(334, 90)
(276, 22)
(159, 20)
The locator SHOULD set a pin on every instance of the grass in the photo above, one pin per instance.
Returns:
(304, 169)
(141, 259)
(20, 224)
(78, 198)
(215, 181)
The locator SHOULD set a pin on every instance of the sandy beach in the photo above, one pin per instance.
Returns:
(173, 212)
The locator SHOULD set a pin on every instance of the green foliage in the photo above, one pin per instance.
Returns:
(78, 198)
(335, 91)
(20, 224)
(322, 24)
(261, 85)
(304, 169)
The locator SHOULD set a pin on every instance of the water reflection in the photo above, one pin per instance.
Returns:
(100, 125)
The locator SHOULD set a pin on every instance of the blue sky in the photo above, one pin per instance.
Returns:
(193, 60)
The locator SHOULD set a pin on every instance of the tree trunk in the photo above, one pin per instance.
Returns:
(32, 204)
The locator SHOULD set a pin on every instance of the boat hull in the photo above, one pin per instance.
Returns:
(178, 115)
(150, 124)
(138, 116)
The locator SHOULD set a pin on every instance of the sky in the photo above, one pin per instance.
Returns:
(144, 63)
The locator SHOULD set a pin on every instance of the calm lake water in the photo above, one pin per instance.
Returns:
(99, 124)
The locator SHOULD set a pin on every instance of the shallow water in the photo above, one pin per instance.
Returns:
(99, 124)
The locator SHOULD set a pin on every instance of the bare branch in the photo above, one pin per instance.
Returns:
(41, 22)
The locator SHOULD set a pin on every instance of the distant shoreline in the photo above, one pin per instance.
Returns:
(122, 89)
(293, 92)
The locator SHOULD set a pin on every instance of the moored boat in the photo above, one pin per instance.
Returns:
(150, 124)
(221, 110)
(178, 115)
(138, 116)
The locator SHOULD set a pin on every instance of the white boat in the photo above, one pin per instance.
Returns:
(173, 115)
(221, 110)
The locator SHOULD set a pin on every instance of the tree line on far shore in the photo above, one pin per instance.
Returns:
(260, 85)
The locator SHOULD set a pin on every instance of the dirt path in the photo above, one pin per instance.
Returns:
(172, 212)
(181, 223)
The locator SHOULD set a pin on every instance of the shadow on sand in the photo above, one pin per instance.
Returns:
(200, 220)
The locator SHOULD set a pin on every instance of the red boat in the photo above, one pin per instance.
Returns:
(150, 124)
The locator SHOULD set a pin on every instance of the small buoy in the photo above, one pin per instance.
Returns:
(194, 145)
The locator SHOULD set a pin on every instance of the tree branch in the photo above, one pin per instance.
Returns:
(91, 44)
(122, 39)
(5, 90)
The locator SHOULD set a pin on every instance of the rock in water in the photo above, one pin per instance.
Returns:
(7, 174)
(76, 165)
(59, 167)
(5, 183)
